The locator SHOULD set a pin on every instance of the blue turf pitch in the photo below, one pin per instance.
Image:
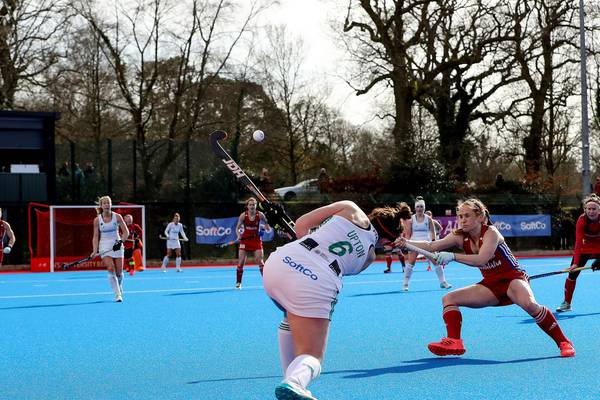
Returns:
(192, 336)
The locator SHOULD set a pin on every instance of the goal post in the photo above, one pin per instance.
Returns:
(62, 234)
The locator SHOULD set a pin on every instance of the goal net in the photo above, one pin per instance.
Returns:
(62, 234)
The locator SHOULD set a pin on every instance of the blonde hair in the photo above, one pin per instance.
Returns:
(99, 203)
(478, 208)
(592, 197)
(251, 199)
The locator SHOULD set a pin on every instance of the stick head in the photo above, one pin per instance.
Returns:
(218, 135)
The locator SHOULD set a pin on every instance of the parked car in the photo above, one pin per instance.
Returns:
(302, 190)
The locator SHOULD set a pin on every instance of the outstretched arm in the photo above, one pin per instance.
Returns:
(346, 209)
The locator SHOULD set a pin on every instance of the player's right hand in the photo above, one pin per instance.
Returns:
(94, 254)
(572, 267)
(443, 257)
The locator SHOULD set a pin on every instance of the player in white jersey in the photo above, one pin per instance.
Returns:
(304, 278)
(109, 233)
(421, 228)
(174, 233)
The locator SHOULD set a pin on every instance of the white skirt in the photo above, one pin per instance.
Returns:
(106, 245)
(299, 285)
(173, 244)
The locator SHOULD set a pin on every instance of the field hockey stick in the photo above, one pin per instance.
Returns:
(166, 238)
(230, 243)
(419, 250)
(75, 263)
(274, 212)
(562, 271)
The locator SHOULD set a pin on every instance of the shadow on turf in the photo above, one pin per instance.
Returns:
(424, 364)
(201, 292)
(411, 366)
(247, 378)
(396, 292)
(559, 317)
(56, 305)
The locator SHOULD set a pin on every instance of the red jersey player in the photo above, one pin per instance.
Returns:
(5, 229)
(133, 242)
(587, 246)
(250, 238)
(503, 283)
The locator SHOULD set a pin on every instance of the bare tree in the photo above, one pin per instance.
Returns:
(166, 58)
(545, 45)
(29, 43)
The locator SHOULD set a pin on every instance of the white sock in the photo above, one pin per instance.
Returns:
(440, 273)
(408, 273)
(165, 262)
(286, 345)
(178, 262)
(120, 280)
(114, 283)
(303, 370)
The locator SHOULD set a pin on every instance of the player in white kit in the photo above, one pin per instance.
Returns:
(304, 278)
(174, 233)
(109, 233)
(421, 228)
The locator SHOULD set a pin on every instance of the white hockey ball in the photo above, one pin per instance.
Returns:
(258, 136)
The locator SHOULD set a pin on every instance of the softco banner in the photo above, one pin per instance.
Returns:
(508, 225)
(220, 231)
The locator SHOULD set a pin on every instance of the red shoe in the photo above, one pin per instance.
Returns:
(566, 349)
(447, 347)
(131, 271)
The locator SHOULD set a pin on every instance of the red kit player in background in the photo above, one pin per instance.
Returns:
(249, 237)
(133, 242)
(5, 229)
(587, 246)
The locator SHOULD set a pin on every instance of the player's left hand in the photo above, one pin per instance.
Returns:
(400, 242)
(7, 250)
(444, 257)
(595, 266)
(117, 245)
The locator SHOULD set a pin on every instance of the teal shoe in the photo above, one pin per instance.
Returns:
(286, 391)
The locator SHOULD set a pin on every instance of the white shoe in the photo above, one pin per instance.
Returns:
(179, 270)
(238, 285)
(445, 285)
(290, 391)
(405, 287)
(164, 269)
(564, 307)
(118, 298)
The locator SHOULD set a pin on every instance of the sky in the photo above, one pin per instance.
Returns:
(309, 19)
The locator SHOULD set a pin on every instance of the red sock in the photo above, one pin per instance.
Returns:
(546, 320)
(240, 272)
(569, 289)
(453, 319)
(388, 260)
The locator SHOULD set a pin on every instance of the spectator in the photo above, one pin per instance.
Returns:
(90, 170)
(499, 182)
(79, 176)
(597, 186)
(64, 170)
(324, 181)
(265, 182)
